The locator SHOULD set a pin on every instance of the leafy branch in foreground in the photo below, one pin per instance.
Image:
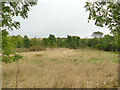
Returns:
(9, 10)
(106, 14)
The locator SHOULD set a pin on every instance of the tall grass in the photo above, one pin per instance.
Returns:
(63, 68)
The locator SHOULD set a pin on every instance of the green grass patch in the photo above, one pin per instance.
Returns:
(101, 61)
(112, 57)
(39, 55)
(93, 60)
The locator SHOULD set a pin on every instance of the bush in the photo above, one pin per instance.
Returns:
(37, 48)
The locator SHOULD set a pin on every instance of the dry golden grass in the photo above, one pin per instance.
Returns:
(63, 68)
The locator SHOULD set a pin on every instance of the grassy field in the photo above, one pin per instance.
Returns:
(63, 68)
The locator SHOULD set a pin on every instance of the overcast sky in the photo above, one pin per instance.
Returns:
(58, 17)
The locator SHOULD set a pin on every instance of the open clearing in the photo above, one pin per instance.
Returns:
(63, 68)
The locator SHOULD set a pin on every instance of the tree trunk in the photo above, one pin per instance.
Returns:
(17, 75)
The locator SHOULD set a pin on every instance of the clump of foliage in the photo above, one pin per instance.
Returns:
(26, 42)
(8, 49)
(17, 41)
(97, 34)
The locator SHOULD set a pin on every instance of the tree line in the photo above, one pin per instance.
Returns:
(106, 43)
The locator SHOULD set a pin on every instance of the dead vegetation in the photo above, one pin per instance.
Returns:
(31, 49)
(63, 68)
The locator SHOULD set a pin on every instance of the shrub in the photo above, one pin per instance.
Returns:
(37, 48)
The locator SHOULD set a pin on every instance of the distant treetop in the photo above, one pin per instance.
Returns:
(97, 34)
